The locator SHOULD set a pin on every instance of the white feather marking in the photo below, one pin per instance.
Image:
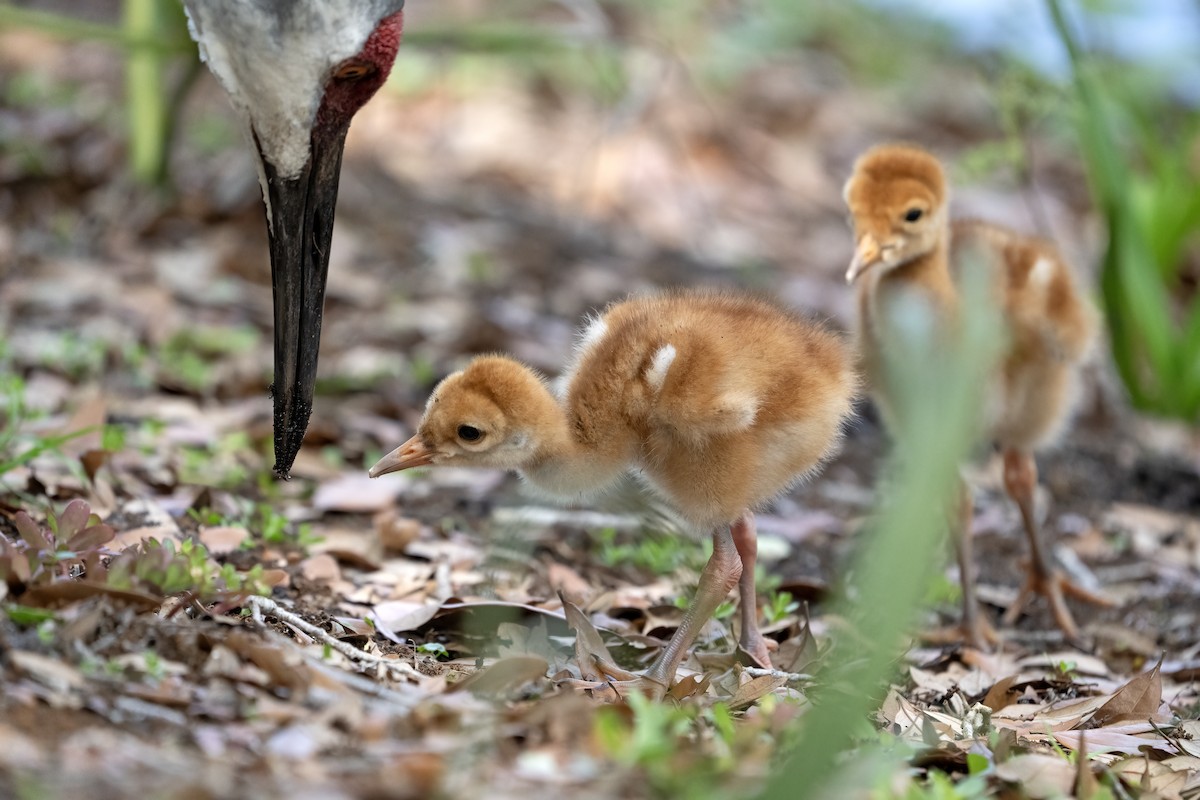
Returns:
(1041, 273)
(593, 333)
(656, 375)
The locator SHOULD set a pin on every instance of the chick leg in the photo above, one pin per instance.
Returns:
(745, 538)
(976, 628)
(720, 575)
(1020, 478)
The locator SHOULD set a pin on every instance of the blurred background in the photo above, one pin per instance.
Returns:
(532, 160)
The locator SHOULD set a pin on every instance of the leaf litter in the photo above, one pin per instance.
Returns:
(440, 632)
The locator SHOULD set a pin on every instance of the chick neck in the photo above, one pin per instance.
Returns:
(928, 273)
(567, 461)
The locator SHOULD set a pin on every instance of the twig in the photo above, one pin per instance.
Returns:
(791, 677)
(260, 605)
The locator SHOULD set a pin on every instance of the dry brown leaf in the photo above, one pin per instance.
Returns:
(351, 546)
(899, 713)
(568, 583)
(276, 577)
(90, 415)
(355, 492)
(750, 691)
(1001, 694)
(285, 667)
(689, 686)
(222, 540)
(59, 592)
(1138, 699)
(394, 531)
(322, 568)
(591, 655)
(53, 673)
(1039, 776)
(503, 675)
(1167, 778)
(1105, 740)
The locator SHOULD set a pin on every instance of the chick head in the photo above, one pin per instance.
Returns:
(486, 415)
(897, 201)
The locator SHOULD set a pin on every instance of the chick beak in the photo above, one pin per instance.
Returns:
(866, 254)
(413, 453)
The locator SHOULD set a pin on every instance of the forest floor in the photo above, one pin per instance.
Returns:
(414, 640)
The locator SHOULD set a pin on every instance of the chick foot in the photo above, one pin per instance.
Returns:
(1054, 586)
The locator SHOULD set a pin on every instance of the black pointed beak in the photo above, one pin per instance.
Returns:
(300, 216)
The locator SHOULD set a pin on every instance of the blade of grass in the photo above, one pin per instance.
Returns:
(939, 390)
(65, 27)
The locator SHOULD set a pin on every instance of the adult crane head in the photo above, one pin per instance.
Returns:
(297, 71)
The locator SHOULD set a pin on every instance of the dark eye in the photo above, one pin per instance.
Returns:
(353, 71)
(469, 433)
(912, 215)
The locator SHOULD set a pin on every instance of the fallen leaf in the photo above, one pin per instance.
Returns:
(398, 616)
(222, 540)
(1139, 699)
(566, 581)
(503, 675)
(1001, 694)
(355, 493)
(322, 568)
(750, 691)
(1039, 776)
(591, 655)
(52, 594)
(394, 531)
(688, 686)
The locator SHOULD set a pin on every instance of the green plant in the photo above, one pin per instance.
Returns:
(779, 606)
(261, 519)
(16, 447)
(189, 357)
(434, 649)
(652, 551)
(936, 385)
(71, 545)
(166, 569)
(1147, 188)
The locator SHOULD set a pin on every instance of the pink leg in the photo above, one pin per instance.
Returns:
(745, 538)
(976, 629)
(1020, 479)
(721, 574)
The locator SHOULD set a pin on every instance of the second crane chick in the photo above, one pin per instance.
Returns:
(905, 244)
(720, 401)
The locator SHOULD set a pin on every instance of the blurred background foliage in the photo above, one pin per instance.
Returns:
(1098, 75)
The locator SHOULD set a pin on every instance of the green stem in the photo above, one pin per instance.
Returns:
(64, 27)
(144, 94)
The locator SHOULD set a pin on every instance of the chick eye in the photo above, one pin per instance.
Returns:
(353, 71)
(912, 215)
(469, 433)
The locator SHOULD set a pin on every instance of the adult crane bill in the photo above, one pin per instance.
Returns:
(297, 71)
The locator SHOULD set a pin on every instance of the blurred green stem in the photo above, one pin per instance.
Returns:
(145, 95)
(936, 382)
(65, 27)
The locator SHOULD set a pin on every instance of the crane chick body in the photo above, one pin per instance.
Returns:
(906, 245)
(720, 401)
